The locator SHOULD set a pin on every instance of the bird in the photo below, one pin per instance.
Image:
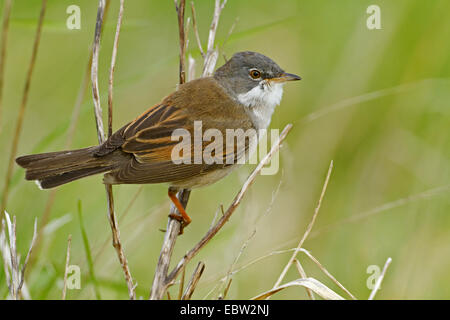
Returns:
(240, 96)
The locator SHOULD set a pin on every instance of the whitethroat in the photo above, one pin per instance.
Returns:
(240, 96)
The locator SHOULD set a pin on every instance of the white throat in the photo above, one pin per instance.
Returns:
(260, 102)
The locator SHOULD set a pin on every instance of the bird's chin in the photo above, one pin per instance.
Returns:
(265, 95)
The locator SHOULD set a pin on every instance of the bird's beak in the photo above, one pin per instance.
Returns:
(286, 77)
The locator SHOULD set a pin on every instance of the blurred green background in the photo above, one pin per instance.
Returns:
(374, 101)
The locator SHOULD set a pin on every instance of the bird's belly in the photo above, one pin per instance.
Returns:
(215, 175)
(204, 179)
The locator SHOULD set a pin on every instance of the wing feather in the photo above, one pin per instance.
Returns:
(149, 137)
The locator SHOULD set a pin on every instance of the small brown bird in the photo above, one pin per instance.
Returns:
(241, 95)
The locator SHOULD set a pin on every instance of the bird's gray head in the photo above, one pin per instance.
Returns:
(254, 79)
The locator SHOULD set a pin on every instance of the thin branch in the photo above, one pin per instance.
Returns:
(94, 73)
(209, 63)
(173, 226)
(211, 52)
(121, 219)
(277, 252)
(186, 34)
(162, 280)
(112, 218)
(101, 138)
(296, 250)
(66, 269)
(191, 68)
(218, 7)
(181, 288)
(326, 272)
(308, 229)
(113, 65)
(3, 44)
(22, 108)
(180, 8)
(160, 283)
(83, 89)
(380, 279)
(227, 288)
(117, 244)
(237, 200)
(302, 273)
(194, 281)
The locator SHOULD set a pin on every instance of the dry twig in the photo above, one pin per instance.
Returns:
(326, 272)
(194, 25)
(194, 281)
(310, 283)
(237, 200)
(180, 8)
(308, 229)
(181, 287)
(173, 226)
(380, 279)
(162, 282)
(211, 52)
(191, 68)
(117, 244)
(245, 244)
(302, 273)
(225, 291)
(161, 279)
(94, 72)
(113, 65)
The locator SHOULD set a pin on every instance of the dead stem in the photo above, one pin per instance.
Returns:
(101, 138)
(237, 200)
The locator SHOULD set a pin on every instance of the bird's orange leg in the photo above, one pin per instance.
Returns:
(184, 218)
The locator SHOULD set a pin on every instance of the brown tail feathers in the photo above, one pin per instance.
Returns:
(56, 168)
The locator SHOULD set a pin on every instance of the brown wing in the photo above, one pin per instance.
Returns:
(149, 138)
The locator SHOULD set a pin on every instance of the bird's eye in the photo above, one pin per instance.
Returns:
(255, 74)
